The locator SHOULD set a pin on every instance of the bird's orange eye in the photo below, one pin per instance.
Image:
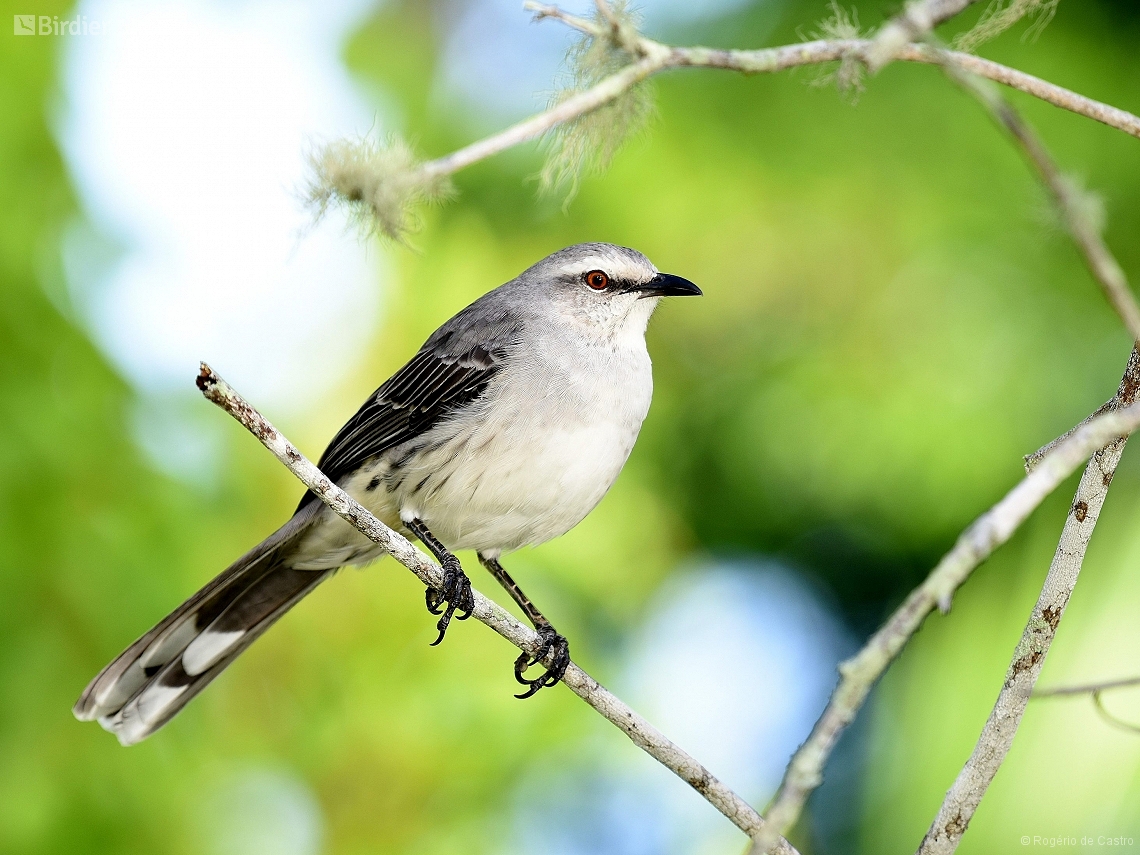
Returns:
(597, 280)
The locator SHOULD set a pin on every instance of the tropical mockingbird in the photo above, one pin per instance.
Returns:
(504, 430)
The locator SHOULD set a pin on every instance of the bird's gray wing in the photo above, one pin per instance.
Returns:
(451, 370)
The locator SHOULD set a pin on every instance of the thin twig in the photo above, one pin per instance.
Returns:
(996, 738)
(1095, 692)
(859, 673)
(622, 33)
(1098, 702)
(644, 735)
(537, 125)
(814, 53)
(1087, 688)
(542, 10)
(1068, 198)
(1056, 95)
(917, 19)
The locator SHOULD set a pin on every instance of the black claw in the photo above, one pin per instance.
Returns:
(455, 594)
(553, 645)
(464, 600)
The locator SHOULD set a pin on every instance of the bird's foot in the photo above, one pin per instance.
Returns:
(453, 598)
(553, 645)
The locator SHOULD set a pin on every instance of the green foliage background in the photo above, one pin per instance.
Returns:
(892, 318)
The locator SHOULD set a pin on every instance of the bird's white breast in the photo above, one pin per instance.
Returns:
(555, 431)
(527, 461)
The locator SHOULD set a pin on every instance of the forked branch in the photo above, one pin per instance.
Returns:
(860, 673)
(993, 744)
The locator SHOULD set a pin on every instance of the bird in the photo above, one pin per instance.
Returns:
(504, 430)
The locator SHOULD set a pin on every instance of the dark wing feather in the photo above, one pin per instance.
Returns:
(452, 369)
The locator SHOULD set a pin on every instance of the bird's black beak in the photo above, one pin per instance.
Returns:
(667, 285)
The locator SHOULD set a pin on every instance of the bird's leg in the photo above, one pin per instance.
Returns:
(553, 645)
(455, 592)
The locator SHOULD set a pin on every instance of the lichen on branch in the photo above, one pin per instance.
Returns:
(999, 17)
(588, 143)
(843, 25)
(379, 184)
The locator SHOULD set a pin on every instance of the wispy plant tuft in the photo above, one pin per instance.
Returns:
(1087, 205)
(588, 144)
(842, 26)
(379, 183)
(999, 17)
(1079, 209)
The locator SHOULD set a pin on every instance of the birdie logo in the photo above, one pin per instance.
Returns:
(52, 25)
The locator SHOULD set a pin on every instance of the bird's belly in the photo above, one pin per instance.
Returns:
(523, 493)
(492, 487)
(514, 488)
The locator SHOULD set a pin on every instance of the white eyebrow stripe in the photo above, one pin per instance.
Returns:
(594, 262)
(618, 268)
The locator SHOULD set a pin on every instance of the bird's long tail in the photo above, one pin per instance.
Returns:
(159, 674)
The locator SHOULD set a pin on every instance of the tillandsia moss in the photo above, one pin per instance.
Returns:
(379, 183)
(588, 144)
(999, 17)
(842, 25)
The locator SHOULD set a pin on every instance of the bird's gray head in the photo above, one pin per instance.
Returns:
(606, 288)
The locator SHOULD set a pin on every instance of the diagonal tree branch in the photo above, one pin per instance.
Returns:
(996, 738)
(859, 673)
(1071, 202)
(643, 734)
(1049, 92)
